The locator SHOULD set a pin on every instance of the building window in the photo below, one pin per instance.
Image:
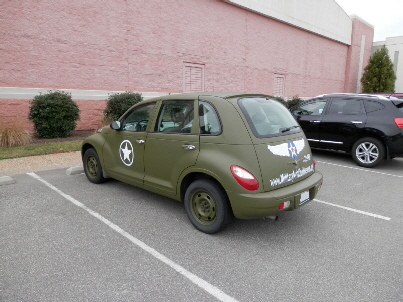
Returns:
(279, 85)
(193, 77)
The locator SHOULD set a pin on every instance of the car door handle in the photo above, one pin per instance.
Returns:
(188, 147)
(315, 121)
(356, 122)
(140, 141)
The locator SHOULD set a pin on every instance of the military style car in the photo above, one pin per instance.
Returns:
(222, 154)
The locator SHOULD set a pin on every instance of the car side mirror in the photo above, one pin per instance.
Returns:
(115, 125)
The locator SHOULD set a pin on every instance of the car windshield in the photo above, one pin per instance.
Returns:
(267, 117)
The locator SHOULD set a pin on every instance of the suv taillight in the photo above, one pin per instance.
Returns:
(399, 121)
(244, 178)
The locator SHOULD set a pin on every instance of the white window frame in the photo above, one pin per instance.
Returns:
(193, 77)
(279, 85)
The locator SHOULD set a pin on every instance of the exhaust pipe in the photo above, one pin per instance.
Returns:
(271, 217)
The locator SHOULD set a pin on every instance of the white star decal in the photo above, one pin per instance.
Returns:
(126, 152)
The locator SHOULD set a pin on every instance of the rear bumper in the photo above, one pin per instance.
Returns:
(395, 146)
(259, 205)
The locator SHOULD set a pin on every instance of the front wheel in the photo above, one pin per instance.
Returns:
(92, 167)
(207, 206)
(368, 152)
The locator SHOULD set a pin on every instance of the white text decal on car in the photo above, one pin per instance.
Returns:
(287, 177)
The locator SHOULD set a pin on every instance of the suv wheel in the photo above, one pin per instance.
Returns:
(92, 167)
(207, 206)
(368, 152)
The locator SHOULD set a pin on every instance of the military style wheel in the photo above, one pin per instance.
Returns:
(92, 167)
(207, 206)
(368, 152)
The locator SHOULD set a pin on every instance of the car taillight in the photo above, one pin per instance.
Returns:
(284, 205)
(399, 121)
(244, 178)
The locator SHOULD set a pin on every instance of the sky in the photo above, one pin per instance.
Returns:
(386, 16)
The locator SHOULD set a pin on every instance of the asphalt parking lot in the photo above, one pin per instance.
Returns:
(65, 239)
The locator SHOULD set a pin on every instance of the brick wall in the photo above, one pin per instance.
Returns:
(142, 45)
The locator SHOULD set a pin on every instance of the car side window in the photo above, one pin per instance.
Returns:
(137, 119)
(314, 107)
(175, 117)
(350, 106)
(209, 121)
(336, 106)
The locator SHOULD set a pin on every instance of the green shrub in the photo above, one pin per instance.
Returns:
(295, 101)
(54, 114)
(119, 103)
(279, 99)
(289, 103)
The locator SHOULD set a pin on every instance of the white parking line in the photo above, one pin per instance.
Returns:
(354, 210)
(360, 169)
(211, 289)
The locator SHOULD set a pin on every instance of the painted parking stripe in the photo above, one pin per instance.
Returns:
(360, 169)
(211, 289)
(354, 210)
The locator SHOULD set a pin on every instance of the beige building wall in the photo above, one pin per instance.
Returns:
(310, 15)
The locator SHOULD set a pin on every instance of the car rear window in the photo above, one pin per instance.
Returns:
(371, 106)
(267, 117)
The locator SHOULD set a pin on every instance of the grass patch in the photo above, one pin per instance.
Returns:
(40, 149)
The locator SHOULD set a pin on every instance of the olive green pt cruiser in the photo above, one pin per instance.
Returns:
(221, 154)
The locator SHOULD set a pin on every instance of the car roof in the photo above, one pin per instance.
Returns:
(201, 94)
(354, 95)
(389, 99)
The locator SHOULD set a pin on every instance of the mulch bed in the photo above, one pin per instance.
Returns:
(75, 135)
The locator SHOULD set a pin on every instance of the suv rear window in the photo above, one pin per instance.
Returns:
(371, 106)
(267, 117)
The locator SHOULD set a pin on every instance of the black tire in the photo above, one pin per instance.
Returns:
(207, 206)
(92, 167)
(368, 152)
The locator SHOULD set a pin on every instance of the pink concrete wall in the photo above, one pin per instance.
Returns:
(65, 44)
(141, 46)
(15, 112)
(91, 114)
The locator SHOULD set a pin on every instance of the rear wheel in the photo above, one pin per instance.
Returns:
(207, 206)
(92, 167)
(368, 152)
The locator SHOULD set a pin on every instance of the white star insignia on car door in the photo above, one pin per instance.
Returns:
(126, 152)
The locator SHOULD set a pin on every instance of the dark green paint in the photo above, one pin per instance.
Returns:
(165, 165)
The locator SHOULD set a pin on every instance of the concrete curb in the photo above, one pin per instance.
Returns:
(75, 170)
(6, 180)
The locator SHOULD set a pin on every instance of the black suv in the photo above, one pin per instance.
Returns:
(369, 127)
